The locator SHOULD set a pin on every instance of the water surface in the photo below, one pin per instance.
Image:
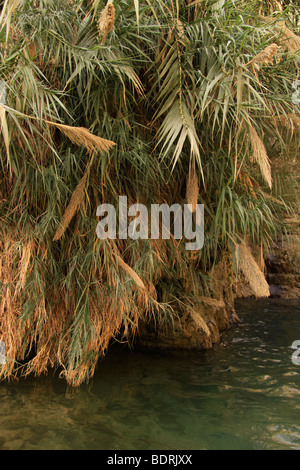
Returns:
(243, 394)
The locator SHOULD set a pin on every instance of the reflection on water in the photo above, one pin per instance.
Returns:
(243, 394)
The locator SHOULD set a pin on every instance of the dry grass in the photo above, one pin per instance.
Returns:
(4, 129)
(247, 182)
(83, 137)
(290, 39)
(74, 204)
(138, 281)
(62, 305)
(192, 190)
(265, 57)
(290, 120)
(273, 6)
(106, 21)
(51, 334)
(252, 273)
(260, 155)
(17, 334)
(28, 249)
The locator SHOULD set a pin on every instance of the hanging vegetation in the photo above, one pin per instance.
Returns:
(164, 102)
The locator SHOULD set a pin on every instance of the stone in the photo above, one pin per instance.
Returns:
(198, 327)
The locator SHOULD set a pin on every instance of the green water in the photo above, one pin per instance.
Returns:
(243, 394)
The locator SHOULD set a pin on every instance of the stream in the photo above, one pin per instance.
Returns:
(242, 394)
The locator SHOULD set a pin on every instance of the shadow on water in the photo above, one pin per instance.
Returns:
(242, 394)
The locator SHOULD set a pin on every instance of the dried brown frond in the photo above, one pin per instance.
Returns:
(260, 155)
(288, 120)
(74, 204)
(192, 189)
(83, 137)
(21, 333)
(180, 27)
(10, 306)
(276, 6)
(180, 31)
(265, 57)
(272, 6)
(293, 221)
(272, 198)
(248, 183)
(106, 21)
(27, 251)
(290, 39)
(15, 33)
(138, 281)
(151, 290)
(252, 273)
(4, 129)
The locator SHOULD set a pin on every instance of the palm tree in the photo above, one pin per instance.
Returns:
(161, 101)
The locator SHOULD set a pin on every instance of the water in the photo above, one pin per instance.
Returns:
(243, 394)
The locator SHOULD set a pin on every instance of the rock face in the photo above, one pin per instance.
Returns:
(282, 271)
(198, 326)
(283, 268)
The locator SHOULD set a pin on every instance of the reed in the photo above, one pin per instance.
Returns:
(134, 276)
(73, 206)
(252, 273)
(83, 137)
(106, 21)
(192, 189)
(168, 91)
(290, 39)
(260, 155)
(265, 57)
(288, 120)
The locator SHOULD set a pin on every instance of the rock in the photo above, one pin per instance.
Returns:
(283, 268)
(282, 271)
(188, 333)
(199, 325)
(2, 442)
(16, 444)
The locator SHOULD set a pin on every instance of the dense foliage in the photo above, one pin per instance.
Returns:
(161, 101)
